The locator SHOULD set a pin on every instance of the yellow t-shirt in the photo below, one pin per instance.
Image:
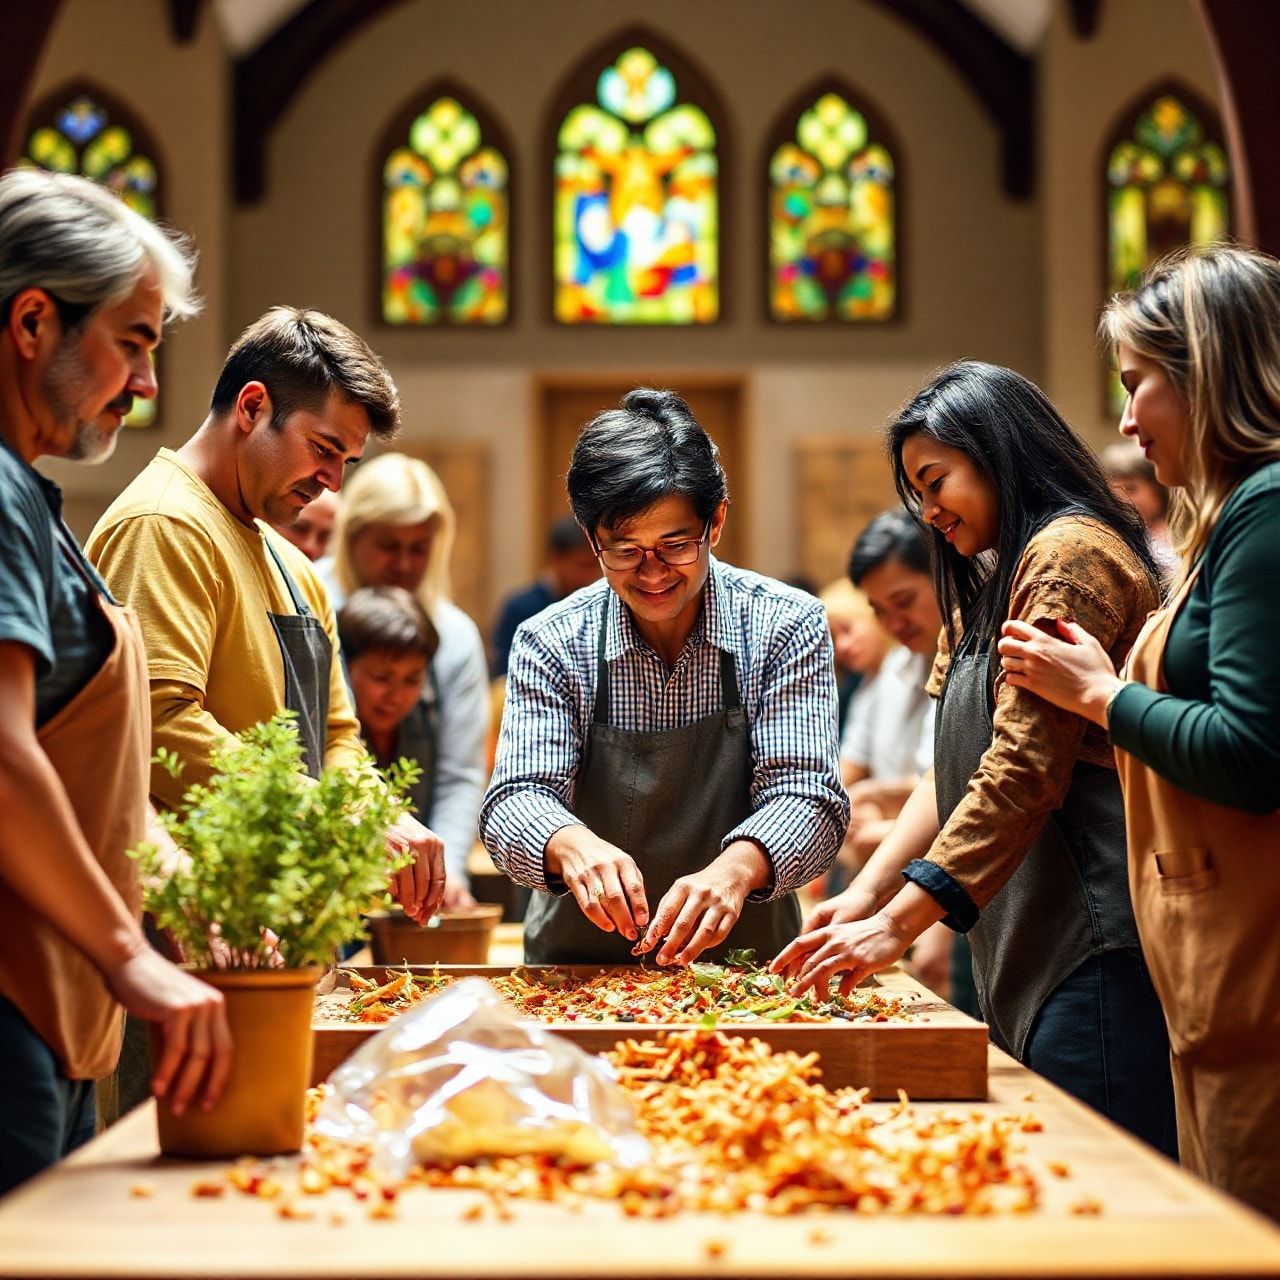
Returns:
(202, 585)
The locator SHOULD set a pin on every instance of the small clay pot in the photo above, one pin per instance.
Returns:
(453, 937)
(261, 1110)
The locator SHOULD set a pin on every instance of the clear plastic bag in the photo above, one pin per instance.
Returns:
(460, 1077)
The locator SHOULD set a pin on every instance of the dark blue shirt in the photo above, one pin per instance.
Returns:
(44, 602)
(518, 608)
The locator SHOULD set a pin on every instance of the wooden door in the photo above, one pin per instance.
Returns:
(841, 483)
(567, 404)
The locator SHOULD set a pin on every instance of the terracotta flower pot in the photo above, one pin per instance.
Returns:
(261, 1110)
(453, 937)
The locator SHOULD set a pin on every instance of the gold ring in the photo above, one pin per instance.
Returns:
(599, 889)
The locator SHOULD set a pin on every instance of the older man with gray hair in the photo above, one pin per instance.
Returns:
(85, 285)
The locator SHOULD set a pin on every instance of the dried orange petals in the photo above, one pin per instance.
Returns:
(732, 1125)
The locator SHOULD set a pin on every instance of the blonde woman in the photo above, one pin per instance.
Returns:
(1195, 716)
(396, 529)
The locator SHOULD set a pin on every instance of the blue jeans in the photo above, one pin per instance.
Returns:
(1101, 1036)
(43, 1115)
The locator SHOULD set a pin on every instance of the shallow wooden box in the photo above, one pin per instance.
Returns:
(940, 1053)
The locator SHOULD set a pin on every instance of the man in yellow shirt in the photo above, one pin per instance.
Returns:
(236, 624)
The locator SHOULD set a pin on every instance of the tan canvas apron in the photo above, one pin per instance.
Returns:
(1206, 894)
(99, 745)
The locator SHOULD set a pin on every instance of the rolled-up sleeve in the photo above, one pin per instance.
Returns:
(539, 750)
(799, 809)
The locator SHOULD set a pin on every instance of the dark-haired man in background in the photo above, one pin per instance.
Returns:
(670, 734)
(571, 564)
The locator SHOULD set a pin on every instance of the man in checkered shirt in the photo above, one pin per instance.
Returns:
(669, 735)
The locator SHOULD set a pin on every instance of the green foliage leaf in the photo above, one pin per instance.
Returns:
(269, 847)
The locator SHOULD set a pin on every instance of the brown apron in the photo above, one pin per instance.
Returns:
(99, 745)
(1206, 894)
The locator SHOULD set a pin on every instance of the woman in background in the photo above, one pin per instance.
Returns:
(396, 529)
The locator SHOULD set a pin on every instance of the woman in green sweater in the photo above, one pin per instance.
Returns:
(1195, 715)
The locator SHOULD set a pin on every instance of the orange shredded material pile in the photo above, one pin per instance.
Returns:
(732, 1125)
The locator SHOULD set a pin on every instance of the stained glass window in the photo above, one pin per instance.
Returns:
(445, 222)
(81, 137)
(832, 241)
(1167, 186)
(636, 203)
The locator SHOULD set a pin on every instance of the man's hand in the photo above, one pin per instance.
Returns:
(419, 887)
(195, 1058)
(605, 882)
(699, 910)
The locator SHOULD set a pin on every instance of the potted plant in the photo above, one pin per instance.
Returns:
(267, 848)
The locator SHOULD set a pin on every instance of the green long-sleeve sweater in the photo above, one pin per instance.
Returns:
(1216, 733)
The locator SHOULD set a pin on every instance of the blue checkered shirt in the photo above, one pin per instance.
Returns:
(779, 640)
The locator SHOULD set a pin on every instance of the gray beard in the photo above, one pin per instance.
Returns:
(64, 386)
(91, 444)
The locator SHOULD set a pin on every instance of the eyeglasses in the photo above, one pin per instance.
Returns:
(673, 552)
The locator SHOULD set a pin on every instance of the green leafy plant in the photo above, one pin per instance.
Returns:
(268, 847)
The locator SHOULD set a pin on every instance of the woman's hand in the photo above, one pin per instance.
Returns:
(856, 950)
(853, 904)
(1074, 672)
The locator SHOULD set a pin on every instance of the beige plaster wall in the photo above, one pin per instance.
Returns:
(972, 258)
(1085, 85)
(180, 93)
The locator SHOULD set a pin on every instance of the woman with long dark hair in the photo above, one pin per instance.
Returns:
(1017, 839)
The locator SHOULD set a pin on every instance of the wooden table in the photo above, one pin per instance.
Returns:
(80, 1220)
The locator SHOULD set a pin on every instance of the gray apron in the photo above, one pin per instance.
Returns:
(307, 654)
(668, 798)
(1068, 899)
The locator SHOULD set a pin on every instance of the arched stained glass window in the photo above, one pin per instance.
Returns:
(80, 131)
(1167, 185)
(832, 215)
(637, 212)
(446, 217)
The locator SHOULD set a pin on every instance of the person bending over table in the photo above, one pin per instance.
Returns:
(1018, 837)
(667, 769)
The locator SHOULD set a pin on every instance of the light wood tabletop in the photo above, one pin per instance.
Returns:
(85, 1219)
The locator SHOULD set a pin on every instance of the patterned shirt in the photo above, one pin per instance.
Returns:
(780, 644)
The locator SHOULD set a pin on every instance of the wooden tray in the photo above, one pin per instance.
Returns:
(939, 1054)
